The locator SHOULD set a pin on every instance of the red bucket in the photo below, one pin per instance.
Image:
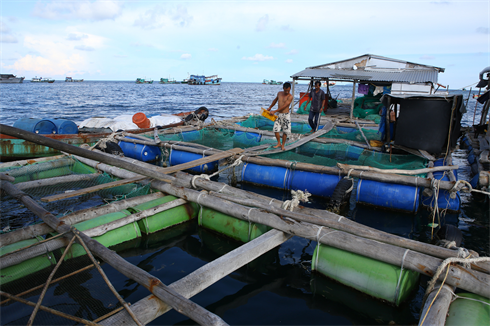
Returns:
(141, 120)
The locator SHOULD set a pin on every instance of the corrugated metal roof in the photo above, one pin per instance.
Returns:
(390, 75)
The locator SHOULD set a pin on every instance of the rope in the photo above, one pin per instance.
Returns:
(249, 223)
(397, 290)
(238, 161)
(298, 196)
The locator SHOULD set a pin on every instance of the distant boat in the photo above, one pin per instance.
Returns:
(10, 79)
(42, 80)
(203, 80)
(271, 82)
(69, 79)
(143, 81)
(167, 81)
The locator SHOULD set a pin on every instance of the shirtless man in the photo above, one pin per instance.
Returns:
(283, 121)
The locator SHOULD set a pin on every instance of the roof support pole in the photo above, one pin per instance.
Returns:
(353, 98)
(292, 93)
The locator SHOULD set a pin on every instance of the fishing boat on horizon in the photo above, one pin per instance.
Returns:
(10, 79)
(71, 80)
(42, 80)
(143, 81)
(203, 80)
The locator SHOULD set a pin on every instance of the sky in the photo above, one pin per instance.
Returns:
(241, 41)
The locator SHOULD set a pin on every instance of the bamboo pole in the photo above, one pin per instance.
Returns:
(460, 277)
(437, 306)
(33, 231)
(11, 259)
(153, 284)
(397, 171)
(56, 180)
(6, 177)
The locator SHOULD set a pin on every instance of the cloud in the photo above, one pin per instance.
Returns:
(286, 28)
(8, 38)
(186, 56)
(258, 57)
(427, 57)
(483, 30)
(277, 46)
(4, 28)
(294, 51)
(84, 48)
(151, 19)
(120, 56)
(262, 23)
(180, 16)
(289, 61)
(76, 37)
(213, 49)
(50, 64)
(94, 11)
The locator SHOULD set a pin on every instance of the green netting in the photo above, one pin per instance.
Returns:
(368, 107)
(355, 135)
(15, 215)
(305, 108)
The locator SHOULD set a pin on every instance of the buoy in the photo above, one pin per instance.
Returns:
(141, 120)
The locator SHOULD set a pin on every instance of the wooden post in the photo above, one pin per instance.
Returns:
(353, 98)
(435, 311)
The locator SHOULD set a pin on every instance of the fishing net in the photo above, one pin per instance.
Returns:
(71, 175)
(328, 154)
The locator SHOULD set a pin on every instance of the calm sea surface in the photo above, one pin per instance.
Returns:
(277, 288)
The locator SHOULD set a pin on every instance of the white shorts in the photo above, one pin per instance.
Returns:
(283, 122)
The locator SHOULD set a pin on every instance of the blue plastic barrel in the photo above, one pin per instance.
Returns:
(181, 157)
(65, 127)
(444, 199)
(272, 176)
(140, 152)
(388, 195)
(38, 126)
(318, 184)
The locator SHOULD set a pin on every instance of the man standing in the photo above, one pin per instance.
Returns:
(283, 121)
(317, 97)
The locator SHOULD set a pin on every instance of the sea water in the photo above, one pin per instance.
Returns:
(279, 288)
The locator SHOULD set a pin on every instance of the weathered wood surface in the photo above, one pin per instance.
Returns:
(435, 313)
(148, 309)
(74, 218)
(326, 128)
(154, 285)
(56, 180)
(347, 167)
(460, 277)
(6, 177)
(48, 165)
(29, 162)
(88, 190)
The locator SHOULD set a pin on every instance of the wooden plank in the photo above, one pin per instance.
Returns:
(326, 128)
(207, 159)
(168, 170)
(148, 309)
(91, 189)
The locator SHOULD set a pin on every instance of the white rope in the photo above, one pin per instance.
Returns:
(249, 223)
(397, 290)
(208, 177)
(199, 218)
(298, 196)
(219, 191)
(466, 298)
(318, 244)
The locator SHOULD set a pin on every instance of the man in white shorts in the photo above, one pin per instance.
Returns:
(283, 121)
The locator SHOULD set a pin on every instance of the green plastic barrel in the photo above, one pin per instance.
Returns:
(375, 278)
(231, 227)
(110, 238)
(27, 267)
(166, 218)
(469, 312)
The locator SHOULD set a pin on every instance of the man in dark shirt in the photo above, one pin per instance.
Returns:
(317, 97)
